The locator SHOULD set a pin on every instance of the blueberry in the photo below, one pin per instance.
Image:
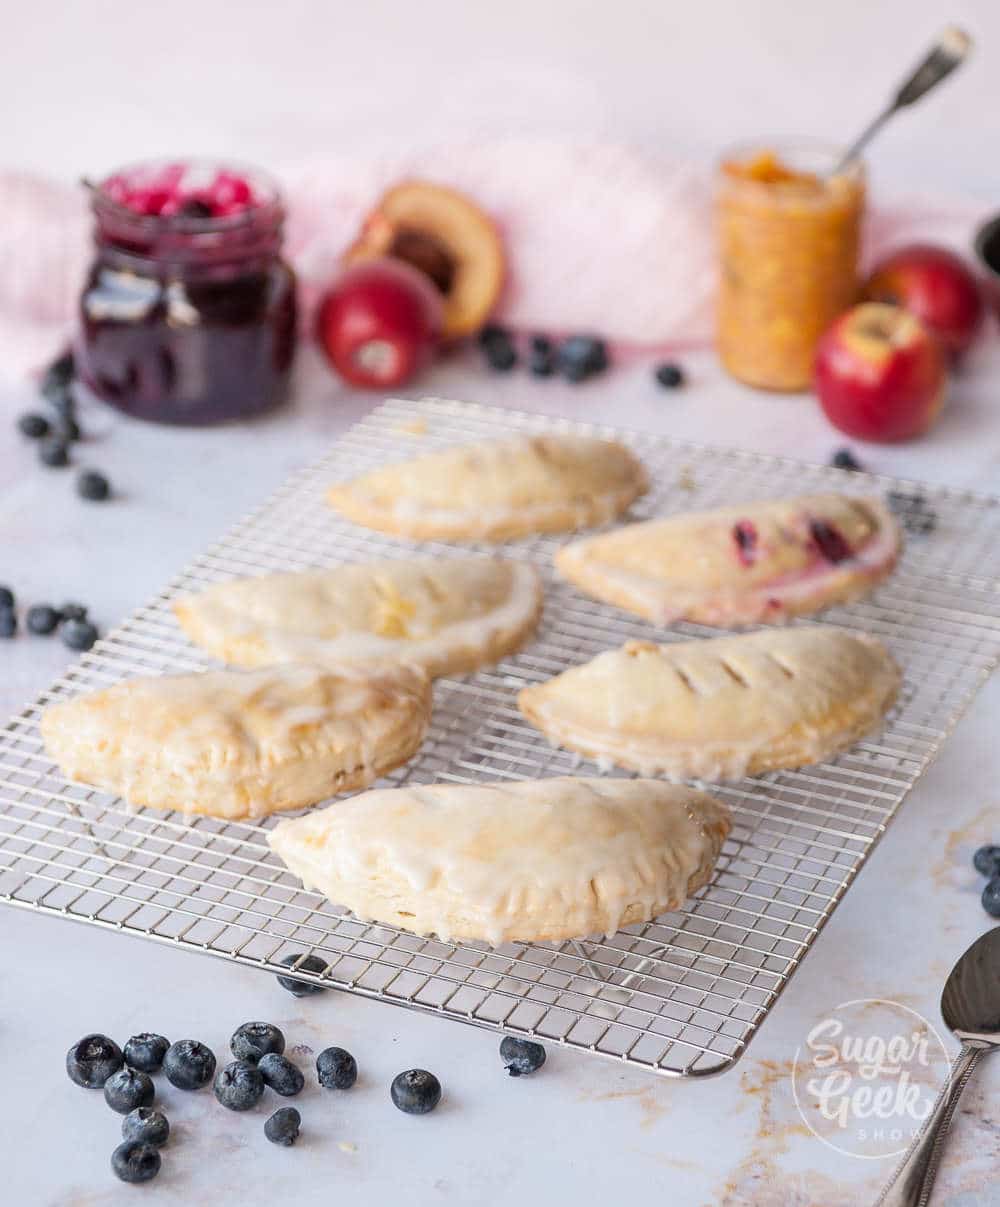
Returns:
(67, 429)
(73, 611)
(986, 861)
(669, 375)
(281, 1075)
(33, 426)
(415, 1092)
(146, 1051)
(542, 359)
(59, 375)
(8, 622)
(498, 348)
(991, 897)
(92, 1060)
(254, 1040)
(93, 486)
(843, 458)
(42, 620)
(127, 1089)
(491, 333)
(78, 634)
(146, 1126)
(283, 1126)
(134, 1161)
(581, 356)
(6, 597)
(239, 1085)
(188, 1064)
(308, 963)
(336, 1069)
(63, 402)
(521, 1056)
(53, 452)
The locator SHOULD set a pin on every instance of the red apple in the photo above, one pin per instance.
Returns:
(379, 324)
(935, 285)
(880, 375)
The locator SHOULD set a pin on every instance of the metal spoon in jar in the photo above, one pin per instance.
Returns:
(941, 60)
(970, 1005)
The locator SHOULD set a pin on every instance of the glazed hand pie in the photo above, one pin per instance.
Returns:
(445, 615)
(722, 708)
(740, 565)
(515, 861)
(240, 743)
(499, 490)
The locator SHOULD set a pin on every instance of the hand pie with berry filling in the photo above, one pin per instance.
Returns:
(517, 861)
(240, 743)
(498, 490)
(446, 615)
(721, 708)
(759, 562)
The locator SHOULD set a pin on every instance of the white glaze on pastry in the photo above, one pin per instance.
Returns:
(514, 861)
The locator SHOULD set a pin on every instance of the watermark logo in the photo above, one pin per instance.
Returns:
(866, 1076)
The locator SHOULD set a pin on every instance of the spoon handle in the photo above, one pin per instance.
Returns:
(910, 1185)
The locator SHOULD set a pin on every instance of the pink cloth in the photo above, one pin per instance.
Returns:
(599, 238)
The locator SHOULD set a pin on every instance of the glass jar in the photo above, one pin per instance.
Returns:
(789, 231)
(188, 314)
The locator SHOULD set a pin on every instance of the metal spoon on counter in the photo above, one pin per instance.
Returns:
(945, 55)
(970, 1005)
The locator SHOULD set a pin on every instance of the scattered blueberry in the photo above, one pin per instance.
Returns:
(669, 375)
(134, 1161)
(283, 1126)
(33, 426)
(581, 356)
(336, 1069)
(986, 860)
(281, 1075)
(67, 429)
(78, 634)
(307, 963)
(53, 452)
(8, 622)
(991, 897)
(73, 611)
(92, 1060)
(6, 597)
(239, 1085)
(254, 1040)
(146, 1126)
(42, 620)
(521, 1056)
(498, 347)
(145, 1051)
(490, 333)
(127, 1089)
(188, 1064)
(415, 1092)
(542, 359)
(843, 458)
(93, 486)
(59, 375)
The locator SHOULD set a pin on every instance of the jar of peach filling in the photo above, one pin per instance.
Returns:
(789, 229)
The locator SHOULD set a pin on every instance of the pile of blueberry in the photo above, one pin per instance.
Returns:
(71, 620)
(986, 861)
(55, 435)
(576, 358)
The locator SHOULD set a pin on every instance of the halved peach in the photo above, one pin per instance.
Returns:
(448, 237)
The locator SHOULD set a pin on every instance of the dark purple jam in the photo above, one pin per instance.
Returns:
(745, 536)
(187, 317)
(829, 541)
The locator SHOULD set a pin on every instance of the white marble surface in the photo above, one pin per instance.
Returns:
(583, 1131)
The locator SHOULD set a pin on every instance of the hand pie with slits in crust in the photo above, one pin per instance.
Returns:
(499, 490)
(721, 708)
(240, 743)
(520, 861)
(759, 562)
(446, 615)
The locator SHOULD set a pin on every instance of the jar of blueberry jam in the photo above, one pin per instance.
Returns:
(188, 314)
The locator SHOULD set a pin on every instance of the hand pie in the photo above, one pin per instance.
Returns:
(498, 490)
(240, 743)
(722, 708)
(444, 615)
(740, 565)
(518, 861)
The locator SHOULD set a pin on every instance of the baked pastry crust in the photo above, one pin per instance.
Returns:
(759, 562)
(240, 743)
(446, 615)
(721, 708)
(498, 490)
(517, 861)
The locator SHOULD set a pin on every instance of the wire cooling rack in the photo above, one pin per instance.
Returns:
(681, 995)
